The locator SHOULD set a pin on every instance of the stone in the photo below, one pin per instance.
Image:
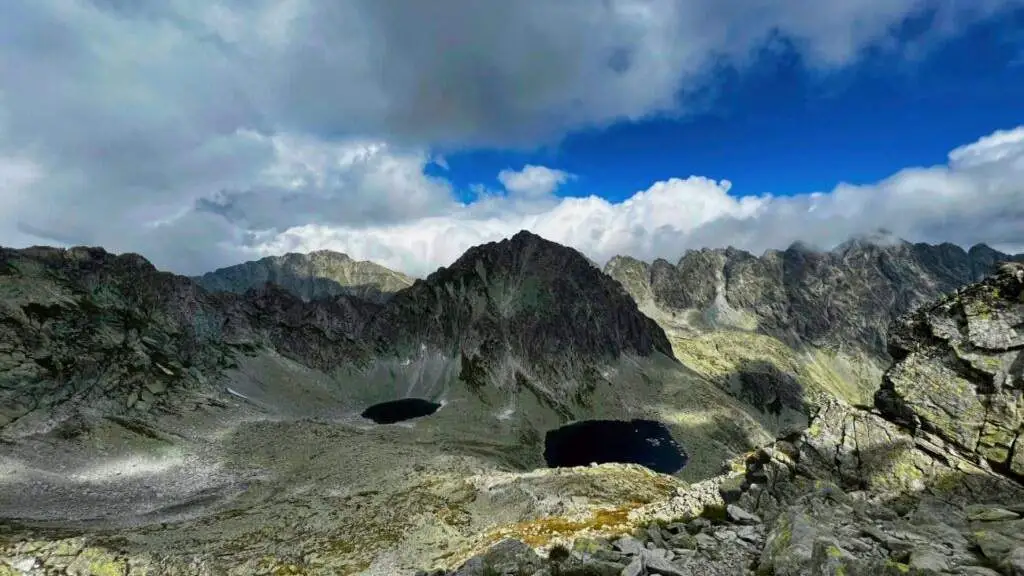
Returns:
(156, 387)
(731, 489)
(928, 561)
(683, 540)
(507, 556)
(592, 568)
(657, 564)
(629, 546)
(595, 548)
(654, 535)
(828, 558)
(726, 535)
(705, 542)
(748, 534)
(1013, 564)
(977, 571)
(25, 564)
(789, 547)
(675, 528)
(987, 514)
(697, 524)
(741, 516)
(993, 545)
(634, 568)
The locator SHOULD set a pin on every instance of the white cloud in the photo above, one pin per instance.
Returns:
(191, 131)
(977, 197)
(533, 181)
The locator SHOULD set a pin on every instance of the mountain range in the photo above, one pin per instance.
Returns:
(144, 415)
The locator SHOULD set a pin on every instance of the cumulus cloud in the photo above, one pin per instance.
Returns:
(311, 182)
(978, 196)
(200, 132)
(533, 181)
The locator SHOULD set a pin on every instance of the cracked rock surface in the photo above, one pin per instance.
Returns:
(959, 370)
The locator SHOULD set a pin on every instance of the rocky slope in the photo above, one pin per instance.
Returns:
(150, 422)
(319, 274)
(252, 458)
(843, 299)
(922, 484)
(85, 328)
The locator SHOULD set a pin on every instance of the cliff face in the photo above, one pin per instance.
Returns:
(959, 370)
(319, 274)
(844, 299)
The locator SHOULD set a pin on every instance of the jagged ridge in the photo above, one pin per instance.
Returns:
(843, 299)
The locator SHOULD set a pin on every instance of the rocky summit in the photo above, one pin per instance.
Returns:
(149, 425)
(319, 274)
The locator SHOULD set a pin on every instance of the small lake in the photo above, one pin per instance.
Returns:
(644, 442)
(400, 410)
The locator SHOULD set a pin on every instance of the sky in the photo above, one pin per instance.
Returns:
(202, 133)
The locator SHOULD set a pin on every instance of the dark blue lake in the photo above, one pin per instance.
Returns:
(399, 410)
(644, 442)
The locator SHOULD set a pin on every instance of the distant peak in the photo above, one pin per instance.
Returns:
(982, 248)
(319, 254)
(527, 235)
(881, 238)
(521, 242)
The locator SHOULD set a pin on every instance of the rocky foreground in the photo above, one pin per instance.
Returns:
(926, 482)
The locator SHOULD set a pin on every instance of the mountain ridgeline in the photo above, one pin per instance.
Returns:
(91, 327)
(149, 425)
(843, 299)
(319, 274)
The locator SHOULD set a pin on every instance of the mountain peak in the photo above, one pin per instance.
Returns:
(523, 301)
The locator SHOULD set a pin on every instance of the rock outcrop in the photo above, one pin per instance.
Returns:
(319, 274)
(959, 370)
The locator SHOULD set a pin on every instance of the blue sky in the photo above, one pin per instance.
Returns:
(780, 128)
(202, 134)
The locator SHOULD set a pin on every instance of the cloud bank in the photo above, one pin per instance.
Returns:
(978, 196)
(201, 133)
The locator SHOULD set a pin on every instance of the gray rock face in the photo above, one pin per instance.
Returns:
(842, 299)
(924, 483)
(959, 370)
(319, 274)
(525, 302)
